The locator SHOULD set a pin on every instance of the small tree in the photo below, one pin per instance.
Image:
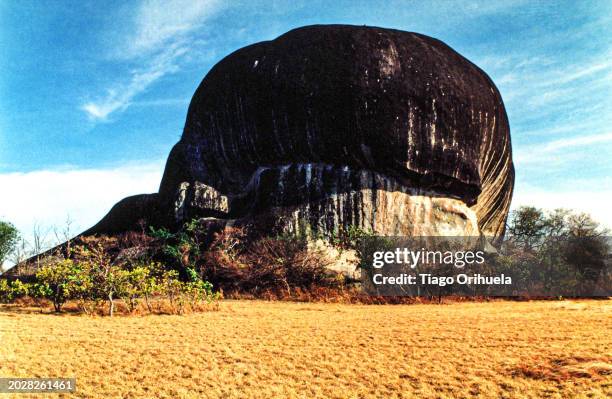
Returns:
(114, 285)
(586, 248)
(8, 239)
(151, 285)
(109, 280)
(526, 227)
(138, 283)
(199, 291)
(9, 291)
(61, 281)
(20, 289)
(172, 287)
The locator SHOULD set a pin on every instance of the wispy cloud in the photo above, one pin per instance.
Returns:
(159, 40)
(577, 141)
(527, 85)
(159, 23)
(549, 151)
(487, 7)
(162, 102)
(119, 98)
(558, 107)
(576, 72)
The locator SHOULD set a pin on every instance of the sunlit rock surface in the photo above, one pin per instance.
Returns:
(324, 197)
(333, 126)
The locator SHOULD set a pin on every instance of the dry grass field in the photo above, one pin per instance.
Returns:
(279, 349)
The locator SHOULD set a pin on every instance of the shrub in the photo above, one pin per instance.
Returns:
(199, 291)
(139, 283)
(19, 289)
(278, 265)
(349, 238)
(11, 290)
(5, 291)
(172, 287)
(61, 281)
(185, 246)
(99, 269)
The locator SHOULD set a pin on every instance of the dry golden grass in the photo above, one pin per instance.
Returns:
(279, 349)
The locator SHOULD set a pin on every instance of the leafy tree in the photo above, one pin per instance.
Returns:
(587, 247)
(114, 285)
(567, 248)
(526, 227)
(20, 289)
(172, 287)
(151, 285)
(139, 283)
(109, 281)
(9, 235)
(62, 280)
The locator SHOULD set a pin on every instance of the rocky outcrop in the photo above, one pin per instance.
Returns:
(128, 214)
(331, 126)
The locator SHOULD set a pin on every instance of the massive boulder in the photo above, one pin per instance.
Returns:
(330, 126)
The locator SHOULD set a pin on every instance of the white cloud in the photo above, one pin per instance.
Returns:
(47, 197)
(159, 39)
(595, 202)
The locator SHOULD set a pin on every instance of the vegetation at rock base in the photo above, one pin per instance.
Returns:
(135, 270)
(91, 274)
(266, 265)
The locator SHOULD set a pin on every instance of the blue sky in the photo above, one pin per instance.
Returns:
(94, 94)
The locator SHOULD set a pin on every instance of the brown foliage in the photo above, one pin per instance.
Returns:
(265, 267)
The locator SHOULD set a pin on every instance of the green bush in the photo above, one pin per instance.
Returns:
(183, 247)
(5, 291)
(62, 280)
(19, 289)
(138, 284)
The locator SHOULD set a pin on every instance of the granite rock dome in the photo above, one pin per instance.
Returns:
(329, 126)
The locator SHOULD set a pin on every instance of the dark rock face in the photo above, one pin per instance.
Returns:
(127, 214)
(335, 126)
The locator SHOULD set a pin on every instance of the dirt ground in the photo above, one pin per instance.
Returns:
(557, 349)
